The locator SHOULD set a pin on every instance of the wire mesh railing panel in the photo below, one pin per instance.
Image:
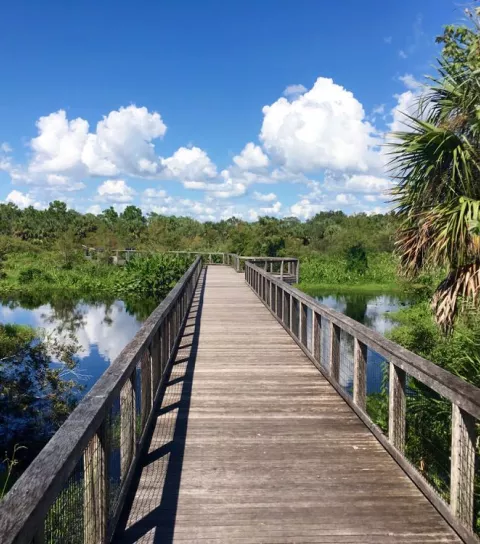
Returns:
(325, 337)
(377, 389)
(64, 523)
(113, 422)
(295, 316)
(346, 363)
(428, 434)
(310, 346)
(476, 485)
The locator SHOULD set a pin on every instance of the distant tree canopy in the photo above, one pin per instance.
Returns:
(60, 227)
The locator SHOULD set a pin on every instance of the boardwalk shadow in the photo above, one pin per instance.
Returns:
(151, 507)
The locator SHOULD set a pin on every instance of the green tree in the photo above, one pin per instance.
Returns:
(437, 164)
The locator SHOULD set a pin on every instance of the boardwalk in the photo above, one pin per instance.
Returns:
(252, 444)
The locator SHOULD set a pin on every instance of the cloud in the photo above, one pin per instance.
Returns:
(388, 39)
(323, 128)
(226, 189)
(272, 210)
(189, 163)
(367, 184)
(264, 197)
(304, 209)
(343, 198)
(5, 147)
(402, 54)
(379, 110)
(251, 158)
(410, 82)
(96, 209)
(407, 104)
(21, 200)
(115, 191)
(122, 143)
(154, 193)
(293, 90)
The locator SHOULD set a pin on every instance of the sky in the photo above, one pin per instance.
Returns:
(212, 108)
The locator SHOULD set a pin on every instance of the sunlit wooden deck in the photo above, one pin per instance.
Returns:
(251, 444)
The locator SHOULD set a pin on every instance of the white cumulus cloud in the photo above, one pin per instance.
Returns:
(251, 158)
(189, 163)
(325, 127)
(262, 197)
(115, 191)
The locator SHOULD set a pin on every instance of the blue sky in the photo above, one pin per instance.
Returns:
(209, 109)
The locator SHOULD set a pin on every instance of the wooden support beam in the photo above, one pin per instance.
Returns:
(334, 351)
(396, 407)
(317, 336)
(128, 440)
(95, 509)
(359, 374)
(462, 478)
(303, 324)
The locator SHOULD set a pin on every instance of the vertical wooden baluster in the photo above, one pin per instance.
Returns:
(155, 358)
(128, 439)
(396, 407)
(303, 324)
(292, 313)
(359, 373)
(281, 270)
(317, 336)
(462, 477)
(95, 460)
(334, 351)
(146, 384)
(279, 302)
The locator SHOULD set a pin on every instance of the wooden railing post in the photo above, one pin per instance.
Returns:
(303, 324)
(128, 441)
(279, 302)
(359, 373)
(96, 488)
(334, 351)
(396, 407)
(281, 270)
(462, 477)
(146, 385)
(317, 336)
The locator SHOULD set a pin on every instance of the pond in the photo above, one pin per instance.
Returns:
(370, 309)
(101, 329)
(373, 311)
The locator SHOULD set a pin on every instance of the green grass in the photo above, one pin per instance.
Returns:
(36, 273)
(366, 288)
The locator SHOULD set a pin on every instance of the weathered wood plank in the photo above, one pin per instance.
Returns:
(463, 465)
(252, 444)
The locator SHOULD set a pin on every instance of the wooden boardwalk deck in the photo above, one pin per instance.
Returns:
(251, 444)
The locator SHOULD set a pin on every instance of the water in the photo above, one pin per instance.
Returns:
(373, 310)
(101, 329)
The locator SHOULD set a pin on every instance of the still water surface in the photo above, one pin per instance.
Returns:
(101, 329)
(373, 310)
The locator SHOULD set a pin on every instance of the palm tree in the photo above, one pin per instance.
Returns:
(437, 165)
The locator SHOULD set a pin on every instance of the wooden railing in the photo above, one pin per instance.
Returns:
(346, 351)
(74, 490)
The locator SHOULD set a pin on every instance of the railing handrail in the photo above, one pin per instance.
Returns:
(457, 390)
(291, 306)
(27, 503)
